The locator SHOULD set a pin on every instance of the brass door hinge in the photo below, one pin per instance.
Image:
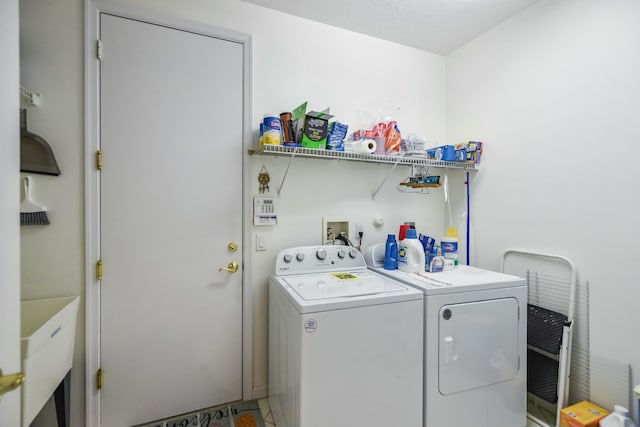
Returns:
(99, 269)
(99, 378)
(99, 160)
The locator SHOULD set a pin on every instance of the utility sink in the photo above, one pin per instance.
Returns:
(48, 330)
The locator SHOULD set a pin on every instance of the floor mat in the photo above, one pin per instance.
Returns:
(247, 414)
(241, 414)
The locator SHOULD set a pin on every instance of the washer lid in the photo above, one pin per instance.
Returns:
(314, 287)
(464, 278)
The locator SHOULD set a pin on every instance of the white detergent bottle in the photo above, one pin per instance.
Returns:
(618, 418)
(411, 253)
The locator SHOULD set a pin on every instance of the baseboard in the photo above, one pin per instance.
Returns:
(260, 392)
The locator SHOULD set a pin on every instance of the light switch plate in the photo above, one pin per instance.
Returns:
(261, 244)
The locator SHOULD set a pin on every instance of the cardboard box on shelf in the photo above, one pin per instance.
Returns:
(582, 414)
(470, 151)
(316, 129)
(444, 152)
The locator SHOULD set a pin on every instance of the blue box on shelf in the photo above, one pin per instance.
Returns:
(460, 155)
(444, 152)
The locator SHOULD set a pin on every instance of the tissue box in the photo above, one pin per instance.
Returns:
(582, 414)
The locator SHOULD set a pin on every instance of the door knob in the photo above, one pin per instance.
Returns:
(10, 382)
(232, 267)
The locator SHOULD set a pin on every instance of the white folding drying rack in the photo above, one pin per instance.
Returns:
(564, 353)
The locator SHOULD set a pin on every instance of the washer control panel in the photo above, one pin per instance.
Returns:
(318, 259)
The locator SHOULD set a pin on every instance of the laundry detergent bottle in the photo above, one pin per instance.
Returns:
(391, 253)
(411, 253)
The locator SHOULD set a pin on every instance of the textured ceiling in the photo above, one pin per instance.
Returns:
(437, 26)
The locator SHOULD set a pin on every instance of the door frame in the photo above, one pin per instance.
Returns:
(93, 9)
(10, 358)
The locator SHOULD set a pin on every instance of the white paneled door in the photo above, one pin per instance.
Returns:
(171, 109)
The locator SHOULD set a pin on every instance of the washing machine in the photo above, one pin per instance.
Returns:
(345, 342)
(475, 344)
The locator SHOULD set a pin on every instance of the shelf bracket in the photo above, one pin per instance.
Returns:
(284, 177)
(373, 195)
(32, 97)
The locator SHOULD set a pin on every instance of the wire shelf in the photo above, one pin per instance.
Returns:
(272, 149)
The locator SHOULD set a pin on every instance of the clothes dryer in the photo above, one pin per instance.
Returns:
(475, 344)
(345, 343)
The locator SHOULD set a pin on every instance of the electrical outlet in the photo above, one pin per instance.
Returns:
(357, 237)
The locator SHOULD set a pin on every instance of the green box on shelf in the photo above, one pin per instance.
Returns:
(316, 129)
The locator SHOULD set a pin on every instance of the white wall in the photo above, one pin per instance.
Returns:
(52, 257)
(294, 60)
(555, 94)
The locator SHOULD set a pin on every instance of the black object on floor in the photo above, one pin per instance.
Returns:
(63, 401)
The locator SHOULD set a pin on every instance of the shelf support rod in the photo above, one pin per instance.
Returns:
(373, 196)
(284, 177)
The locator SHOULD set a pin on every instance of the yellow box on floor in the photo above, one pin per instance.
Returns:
(582, 414)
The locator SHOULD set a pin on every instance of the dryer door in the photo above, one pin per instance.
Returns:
(478, 344)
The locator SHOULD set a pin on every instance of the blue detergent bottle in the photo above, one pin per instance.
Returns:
(391, 253)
